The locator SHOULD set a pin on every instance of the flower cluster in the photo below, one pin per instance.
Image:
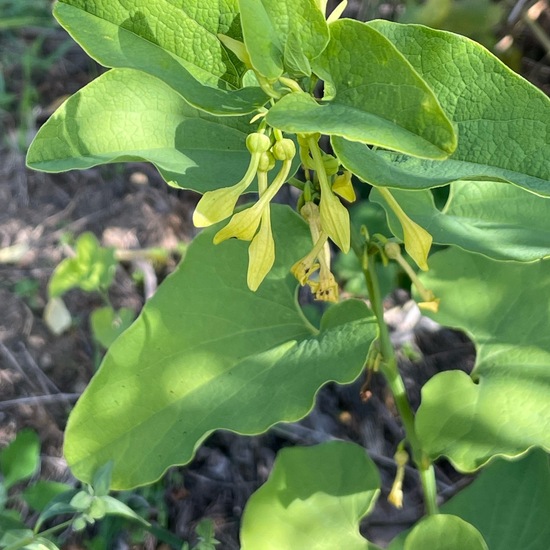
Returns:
(254, 223)
(327, 220)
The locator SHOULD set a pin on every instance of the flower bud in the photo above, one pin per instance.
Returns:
(258, 143)
(267, 162)
(284, 149)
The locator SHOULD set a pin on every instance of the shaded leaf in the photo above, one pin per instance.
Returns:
(279, 32)
(314, 498)
(218, 357)
(20, 459)
(495, 219)
(509, 503)
(503, 408)
(146, 120)
(160, 38)
(502, 120)
(372, 95)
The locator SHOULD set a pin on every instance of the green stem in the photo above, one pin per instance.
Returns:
(389, 369)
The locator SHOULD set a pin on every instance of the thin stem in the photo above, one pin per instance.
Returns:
(389, 369)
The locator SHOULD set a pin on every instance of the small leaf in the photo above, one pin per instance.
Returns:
(41, 493)
(279, 30)
(92, 268)
(107, 324)
(444, 532)
(114, 507)
(21, 458)
(372, 95)
(315, 497)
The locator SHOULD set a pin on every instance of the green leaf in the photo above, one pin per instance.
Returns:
(218, 357)
(314, 498)
(39, 494)
(495, 219)
(20, 459)
(143, 119)
(509, 503)
(502, 120)
(107, 324)
(115, 507)
(444, 532)
(378, 97)
(160, 38)
(92, 269)
(503, 408)
(273, 29)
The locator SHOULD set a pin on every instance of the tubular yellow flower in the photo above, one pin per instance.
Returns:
(417, 240)
(396, 494)
(334, 215)
(261, 253)
(335, 218)
(244, 225)
(343, 187)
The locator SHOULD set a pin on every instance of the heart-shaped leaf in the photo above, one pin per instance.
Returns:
(217, 357)
(503, 408)
(502, 121)
(314, 498)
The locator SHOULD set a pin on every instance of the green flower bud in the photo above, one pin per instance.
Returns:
(267, 162)
(258, 143)
(284, 149)
(392, 250)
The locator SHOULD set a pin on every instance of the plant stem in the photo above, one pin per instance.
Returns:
(388, 367)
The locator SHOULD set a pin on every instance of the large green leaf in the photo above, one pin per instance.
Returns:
(495, 219)
(314, 498)
(276, 31)
(503, 408)
(508, 503)
(126, 115)
(175, 41)
(375, 97)
(502, 120)
(206, 353)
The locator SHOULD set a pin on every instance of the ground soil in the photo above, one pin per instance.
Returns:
(130, 207)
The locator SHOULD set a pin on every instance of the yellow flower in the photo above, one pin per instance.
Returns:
(325, 287)
(261, 253)
(244, 225)
(343, 187)
(335, 219)
(217, 205)
(417, 240)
